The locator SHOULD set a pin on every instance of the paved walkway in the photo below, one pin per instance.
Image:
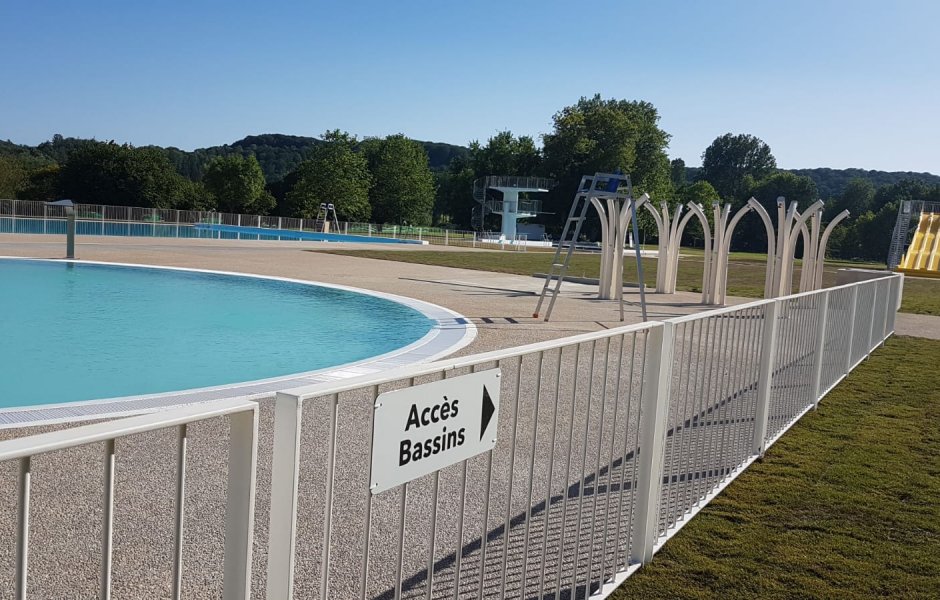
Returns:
(925, 326)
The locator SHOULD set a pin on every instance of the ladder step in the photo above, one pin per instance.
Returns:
(558, 264)
(575, 219)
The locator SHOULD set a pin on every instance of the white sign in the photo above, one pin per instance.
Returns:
(422, 429)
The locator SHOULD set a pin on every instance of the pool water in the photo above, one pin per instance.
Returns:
(72, 331)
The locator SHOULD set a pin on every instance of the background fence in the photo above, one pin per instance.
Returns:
(608, 443)
(23, 216)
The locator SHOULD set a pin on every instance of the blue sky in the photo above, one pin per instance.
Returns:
(836, 84)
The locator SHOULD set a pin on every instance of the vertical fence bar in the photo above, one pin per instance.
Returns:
(240, 505)
(849, 347)
(766, 374)
(22, 529)
(654, 408)
(551, 474)
(180, 513)
(435, 490)
(528, 505)
(564, 503)
(512, 471)
(822, 321)
(367, 530)
(285, 473)
(583, 479)
(401, 539)
(107, 528)
(328, 516)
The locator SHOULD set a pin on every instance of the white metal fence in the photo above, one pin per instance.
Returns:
(24, 216)
(239, 502)
(608, 443)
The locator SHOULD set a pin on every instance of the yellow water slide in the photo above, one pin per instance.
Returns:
(922, 257)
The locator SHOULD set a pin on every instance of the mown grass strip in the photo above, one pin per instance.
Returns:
(745, 273)
(845, 505)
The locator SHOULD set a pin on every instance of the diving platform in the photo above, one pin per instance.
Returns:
(499, 194)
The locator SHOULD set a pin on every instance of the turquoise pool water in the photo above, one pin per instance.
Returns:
(72, 331)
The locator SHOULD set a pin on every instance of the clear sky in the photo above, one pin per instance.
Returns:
(825, 83)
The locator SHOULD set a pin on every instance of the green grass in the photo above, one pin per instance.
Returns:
(845, 505)
(745, 270)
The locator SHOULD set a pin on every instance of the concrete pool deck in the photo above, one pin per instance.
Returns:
(500, 305)
(66, 509)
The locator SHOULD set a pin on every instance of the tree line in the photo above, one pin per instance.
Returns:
(403, 181)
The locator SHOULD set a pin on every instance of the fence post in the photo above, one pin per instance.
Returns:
(820, 346)
(768, 352)
(654, 406)
(848, 350)
(285, 471)
(871, 326)
(446, 237)
(240, 505)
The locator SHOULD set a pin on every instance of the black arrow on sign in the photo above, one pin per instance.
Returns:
(488, 410)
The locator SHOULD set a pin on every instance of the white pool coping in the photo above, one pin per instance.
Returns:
(451, 332)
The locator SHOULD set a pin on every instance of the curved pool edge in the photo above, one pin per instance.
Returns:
(451, 332)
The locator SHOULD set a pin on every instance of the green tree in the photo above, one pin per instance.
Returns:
(677, 173)
(335, 173)
(503, 154)
(13, 176)
(733, 162)
(42, 184)
(702, 193)
(236, 184)
(751, 235)
(857, 197)
(108, 173)
(403, 188)
(597, 135)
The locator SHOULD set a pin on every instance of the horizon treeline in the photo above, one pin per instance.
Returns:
(397, 180)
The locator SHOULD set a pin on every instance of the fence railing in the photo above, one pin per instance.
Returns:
(607, 444)
(240, 495)
(26, 216)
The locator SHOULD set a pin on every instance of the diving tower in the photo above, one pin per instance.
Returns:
(499, 194)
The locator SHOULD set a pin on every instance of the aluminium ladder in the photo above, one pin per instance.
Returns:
(601, 185)
(559, 268)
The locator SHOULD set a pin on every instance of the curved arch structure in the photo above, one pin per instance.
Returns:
(614, 224)
(771, 270)
(821, 252)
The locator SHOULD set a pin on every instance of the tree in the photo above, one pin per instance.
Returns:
(402, 184)
(503, 154)
(701, 193)
(751, 235)
(13, 176)
(121, 175)
(733, 162)
(597, 135)
(236, 184)
(857, 198)
(677, 173)
(335, 174)
(42, 184)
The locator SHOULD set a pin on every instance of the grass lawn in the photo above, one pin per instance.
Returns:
(845, 505)
(745, 270)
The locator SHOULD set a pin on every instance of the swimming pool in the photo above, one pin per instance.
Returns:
(210, 231)
(76, 331)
